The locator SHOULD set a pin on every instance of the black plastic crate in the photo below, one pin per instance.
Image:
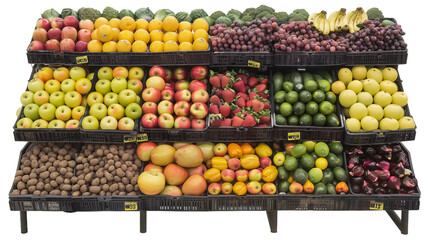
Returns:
(301, 58)
(106, 203)
(392, 57)
(258, 60)
(170, 203)
(44, 57)
(374, 201)
(313, 202)
(241, 203)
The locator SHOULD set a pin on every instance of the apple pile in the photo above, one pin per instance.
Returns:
(174, 98)
(114, 105)
(239, 99)
(68, 34)
(54, 98)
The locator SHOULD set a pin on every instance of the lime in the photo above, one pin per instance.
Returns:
(328, 176)
(312, 108)
(298, 87)
(288, 86)
(307, 161)
(318, 96)
(319, 120)
(279, 97)
(305, 120)
(309, 145)
(333, 160)
(305, 96)
(291, 97)
(315, 175)
(299, 108)
(293, 120)
(280, 119)
(291, 163)
(326, 108)
(298, 150)
(285, 109)
(311, 85)
(332, 120)
(331, 97)
(276, 108)
(324, 85)
(321, 149)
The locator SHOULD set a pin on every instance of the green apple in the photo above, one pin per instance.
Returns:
(135, 73)
(136, 85)
(57, 98)
(52, 86)
(105, 73)
(390, 74)
(24, 123)
(72, 124)
(94, 97)
(68, 85)
(126, 97)
(56, 123)
(47, 111)
(77, 112)
(116, 110)
(40, 97)
(73, 99)
(138, 99)
(39, 123)
(119, 84)
(27, 98)
(83, 86)
(32, 111)
(103, 86)
(84, 100)
(35, 85)
(133, 111)
(98, 110)
(90, 123)
(77, 73)
(18, 111)
(63, 113)
(126, 123)
(109, 122)
(90, 76)
(111, 98)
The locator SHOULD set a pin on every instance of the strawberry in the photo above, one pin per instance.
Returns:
(247, 88)
(237, 120)
(252, 94)
(267, 105)
(215, 119)
(236, 110)
(224, 81)
(214, 109)
(249, 121)
(215, 122)
(241, 102)
(243, 95)
(215, 100)
(261, 87)
(252, 81)
(225, 110)
(226, 122)
(217, 91)
(239, 86)
(265, 116)
(249, 103)
(257, 105)
(242, 77)
(263, 94)
(228, 95)
(215, 81)
(264, 80)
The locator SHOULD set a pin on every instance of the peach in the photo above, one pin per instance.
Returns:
(200, 170)
(226, 188)
(270, 188)
(214, 188)
(255, 175)
(228, 175)
(69, 32)
(234, 164)
(241, 175)
(175, 174)
(171, 191)
(151, 183)
(40, 34)
(254, 187)
(264, 162)
(194, 185)
(154, 168)
(162, 155)
(144, 150)
(189, 156)
(86, 24)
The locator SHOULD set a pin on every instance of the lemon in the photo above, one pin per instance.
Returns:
(345, 75)
(154, 24)
(143, 35)
(185, 36)
(388, 86)
(95, 46)
(141, 24)
(365, 98)
(114, 23)
(390, 74)
(100, 21)
(371, 86)
(338, 87)
(123, 46)
(356, 86)
(200, 23)
(109, 46)
(105, 33)
(359, 72)
(201, 33)
(139, 46)
(347, 98)
(185, 46)
(156, 46)
(374, 110)
(400, 98)
(375, 73)
(127, 23)
(200, 44)
(170, 46)
(353, 125)
(358, 111)
(382, 98)
(389, 124)
(394, 111)
(369, 123)
(406, 123)
(184, 25)
(321, 163)
(116, 32)
(170, 24)
(127, 35)
(94, 35)
(156, 35)
(170, 36)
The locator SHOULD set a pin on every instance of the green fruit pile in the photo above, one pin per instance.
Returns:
(304, 99)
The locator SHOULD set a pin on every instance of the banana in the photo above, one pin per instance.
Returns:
(310, 19)
(322, 25)
(320, 21)
(317, 20)
(337, 25)
(352, 22)
(327, 28)
(346, 19)
(332, 19)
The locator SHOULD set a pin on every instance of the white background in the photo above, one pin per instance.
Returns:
(18, 19)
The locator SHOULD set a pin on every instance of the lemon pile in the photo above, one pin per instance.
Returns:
(129, 35)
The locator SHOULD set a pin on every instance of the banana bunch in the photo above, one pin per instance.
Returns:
(335, 20)
(352, 19)
(320, 22)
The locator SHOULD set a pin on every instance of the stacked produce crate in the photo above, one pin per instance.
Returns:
(255, 110)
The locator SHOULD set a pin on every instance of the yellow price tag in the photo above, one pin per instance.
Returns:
(373, 205)
(131, 206)
(293, 136)
(82, 60)
(142, 137)
(128, 139)
(253, 64)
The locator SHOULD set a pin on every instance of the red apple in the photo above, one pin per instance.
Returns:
(71, 21)
(53, 44)
(151, 95)
(168, 86)
(200, 170)
(264, 162)
(182, 95)
(69, 32)
(182, 122)
(234, 164)
(181, 108)
(54, 33)
(156, 82)
(149, 107)
(144, 150)
(40, 34)
(67, 45)
(84, 35)
(255, 175)
(167, 94)
(200, 95)
(57, 23)
(199, 72)
(149, 120)
(214, 189)
(198, 123)
(168, 75)
(199, 110)
(36, 45)
(196, 85)
(157, 71)
(81, 46)
(180, 85)
(254, 187)
(241, 175)
(86, 24)
(180, 73)
(165, 106)
(43, 23)
(226, 188)
(166, 120)
(228, 175)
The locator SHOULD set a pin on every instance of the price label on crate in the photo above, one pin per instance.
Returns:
(374, 205)
(129, 138)
(142, 137)
(82, 60)
(131, 206)
(253, 64)
(293, 136)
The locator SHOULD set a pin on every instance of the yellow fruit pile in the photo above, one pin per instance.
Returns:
(128, 35)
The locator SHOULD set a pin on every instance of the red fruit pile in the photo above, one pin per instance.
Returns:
(175, 99)
(239, 99)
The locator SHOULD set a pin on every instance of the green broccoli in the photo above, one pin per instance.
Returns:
(109, 13)
(217, 14)
(225, 20)
(250, 12)
(297, 17)
(374, 13)
(262, 14)
(247, 18)
(89, 13)
(197, 13)
(301, 11)
(281, 16)
(264, 8)
(235, 12)
(126, 12)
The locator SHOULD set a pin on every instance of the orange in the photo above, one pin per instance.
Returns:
(94, 35)
(114, 23)
(95, 46)
(170, 46)
(156, 35)
(185, 46)
(200, 23)
(141, 24)
(126, 34)
(109, 46)
(200, 45)
(200, 33)
(154, 24)
(142, 34)
(127, 23)
(105, 33)
(100, 21)
(123, 46)
(170, 24)
(156, 46)
(139, 46)
(239, 188)
(185, 36)
(185, 26)
(338, 87)
(116, 32)
(170, 36)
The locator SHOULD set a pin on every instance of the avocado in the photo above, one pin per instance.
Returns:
(284, 186)
(328, 176)
(300, 176)
(320, 188)
(340, 174)
(331, 188)
(283, 175)
(277, 81)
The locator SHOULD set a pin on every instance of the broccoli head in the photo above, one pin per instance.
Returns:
(301, 11)
(297, 17)
(262, 14)
(247, 18)
(89, 13)
(281, 16)
(197, 13)
(374, 13)
(235, 12)
(264, 8)
(217, 14)
(109, 13)
(233, 17)
(225, 20)
(250, 12)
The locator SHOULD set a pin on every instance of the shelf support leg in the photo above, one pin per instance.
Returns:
(272, 220)
(143, 221)
(23, 218)
(401, 223)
